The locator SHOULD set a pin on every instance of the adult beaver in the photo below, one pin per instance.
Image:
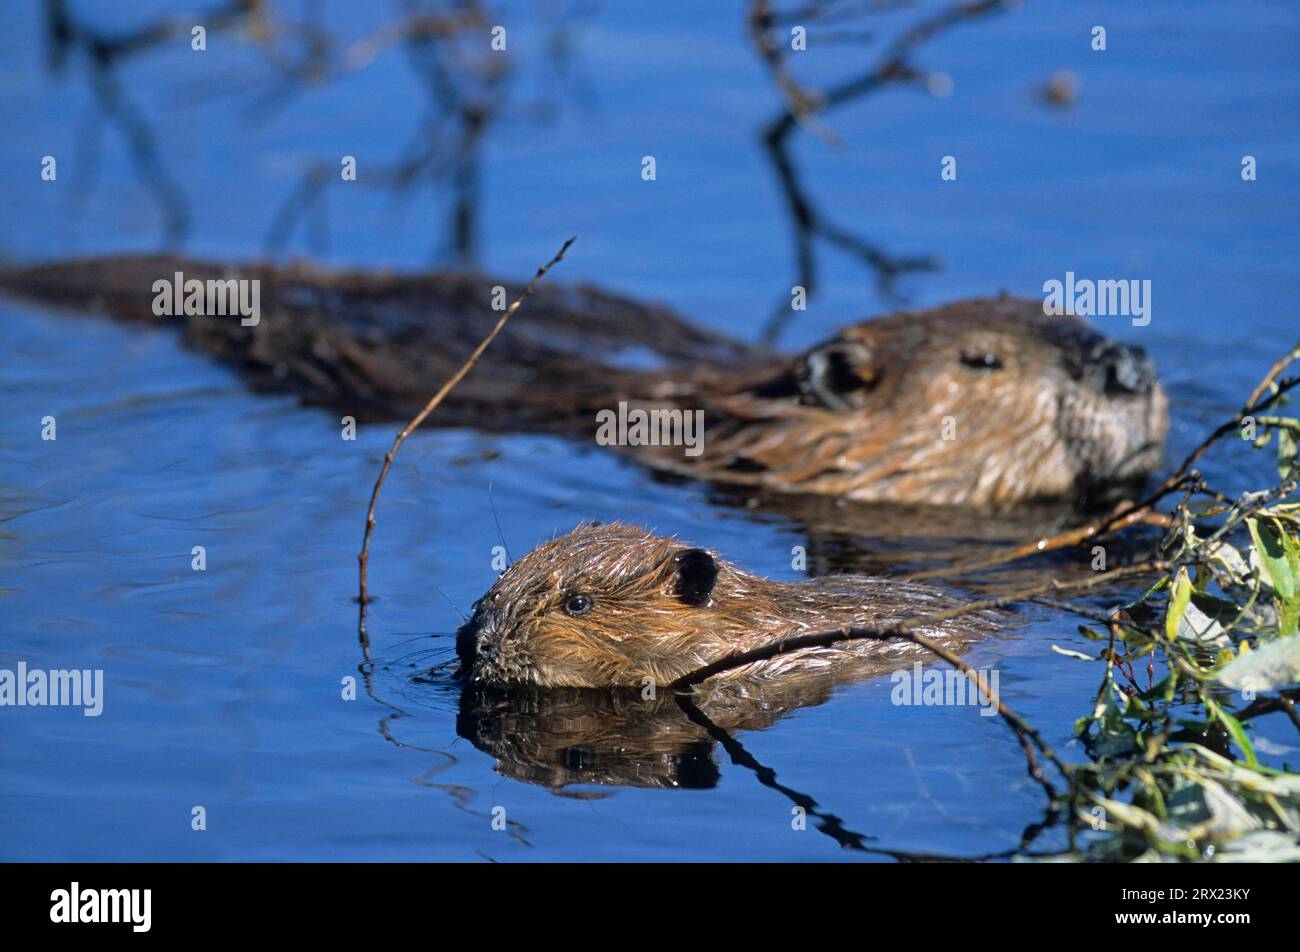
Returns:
(979, 403)
(615, 606)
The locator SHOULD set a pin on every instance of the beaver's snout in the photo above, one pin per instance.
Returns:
(1116, 368)
(470, 648)
(466, 645)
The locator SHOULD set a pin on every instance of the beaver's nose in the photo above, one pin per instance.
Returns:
(1121, 368)
(467, 643)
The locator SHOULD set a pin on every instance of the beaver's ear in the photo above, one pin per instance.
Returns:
(838, 374)
(697, 573)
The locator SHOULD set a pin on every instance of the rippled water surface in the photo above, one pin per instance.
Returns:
(223, 687)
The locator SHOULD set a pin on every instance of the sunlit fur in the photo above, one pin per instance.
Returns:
(1038, 427)
(639, 628)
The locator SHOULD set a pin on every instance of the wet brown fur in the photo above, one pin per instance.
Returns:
(647, 625)
(916, 417)
(861, 416)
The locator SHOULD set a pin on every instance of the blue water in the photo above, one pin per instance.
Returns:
(223, 687)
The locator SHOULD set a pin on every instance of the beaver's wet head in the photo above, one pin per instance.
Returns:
(614, 606)
(600, 606)
(982, 402)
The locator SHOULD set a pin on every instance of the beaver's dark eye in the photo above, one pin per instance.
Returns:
(578, 605)
(982, 361)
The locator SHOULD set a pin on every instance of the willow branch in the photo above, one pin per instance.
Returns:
(907, 630)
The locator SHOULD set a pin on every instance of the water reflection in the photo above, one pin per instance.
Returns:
(574, 740)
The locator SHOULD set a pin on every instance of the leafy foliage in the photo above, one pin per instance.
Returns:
(1173, 773)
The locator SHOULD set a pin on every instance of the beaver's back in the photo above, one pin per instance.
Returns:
(377, 345)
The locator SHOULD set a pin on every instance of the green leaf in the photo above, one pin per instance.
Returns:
(1204, 801)
(1270, 666)
(1276, 555)
(1178, 601)
(1202, 628)
(1286, 451)
(1236, 568)
(1261, 846)
(1277, 560)
(1235, 729)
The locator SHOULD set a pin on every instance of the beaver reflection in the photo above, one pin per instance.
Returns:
(565, 737)
(562, 737)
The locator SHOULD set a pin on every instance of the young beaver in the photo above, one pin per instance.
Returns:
(979, 403)
(613, 605)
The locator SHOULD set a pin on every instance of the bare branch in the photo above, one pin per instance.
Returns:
(364, 556)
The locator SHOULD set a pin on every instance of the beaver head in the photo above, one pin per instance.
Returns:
(977, 403)
(616, 606)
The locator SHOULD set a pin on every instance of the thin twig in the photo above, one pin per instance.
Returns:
(364, 557)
